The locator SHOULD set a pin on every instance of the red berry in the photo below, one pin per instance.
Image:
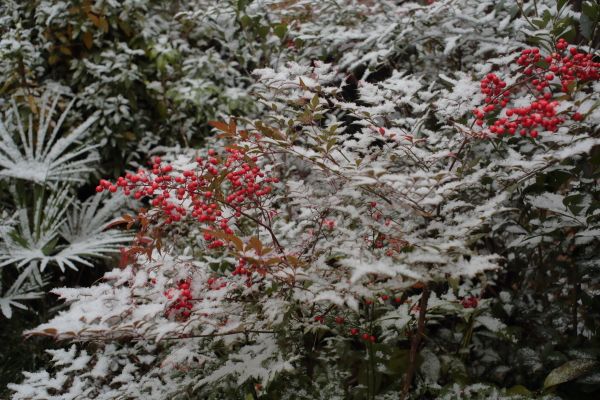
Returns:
(469, 302)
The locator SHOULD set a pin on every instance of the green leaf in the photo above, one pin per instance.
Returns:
(519, 390)
(263, 31)
(398, 362)
(280, 30)
(565, 29)
(48, 249)
(568, 371)
(314, 102)
(591, 10)
(560, 4)
(586, 26)
(19, 239)
(453, 282)
(245, 21)
(590, 13)
(241, 4)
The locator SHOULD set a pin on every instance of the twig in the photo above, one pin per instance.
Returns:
(462, 145)
(415, 343)
(140, 338)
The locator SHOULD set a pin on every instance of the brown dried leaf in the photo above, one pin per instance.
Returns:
(88, 39)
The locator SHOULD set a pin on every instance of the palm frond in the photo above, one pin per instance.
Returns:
(44, 155)
(25, 287)
(63, 232)
(85, 230)
(35, 237)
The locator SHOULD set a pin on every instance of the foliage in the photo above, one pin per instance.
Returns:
(398, 199)
(49, 225)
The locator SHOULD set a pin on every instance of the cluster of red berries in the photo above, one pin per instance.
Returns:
(385, 297)
(495, 90)
(339, 320)
(571, 66)
(241, 269)
(248, 270)
(365, 336)
(470, 302)
(541, 113)
(215, 283)
(201, 189)
(538, 75)
(182, 304)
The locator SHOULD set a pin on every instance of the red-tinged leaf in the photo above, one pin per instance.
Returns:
(293, 260)
(125, 258)
(222, 126)
(145, 240)
(118, 222)
(88, 39)
(272, 261)
(256, 244)
(232, 126)
(270, 132)
(302, 84)
(51, 331)
(136, 250)
(94, 19)
(103, 24)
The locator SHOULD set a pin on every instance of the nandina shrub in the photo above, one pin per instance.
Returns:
(371, 267)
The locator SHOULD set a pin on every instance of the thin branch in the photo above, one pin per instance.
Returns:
(416, 342)
(131, 338)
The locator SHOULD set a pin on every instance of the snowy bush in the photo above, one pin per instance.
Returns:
(399, 200)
